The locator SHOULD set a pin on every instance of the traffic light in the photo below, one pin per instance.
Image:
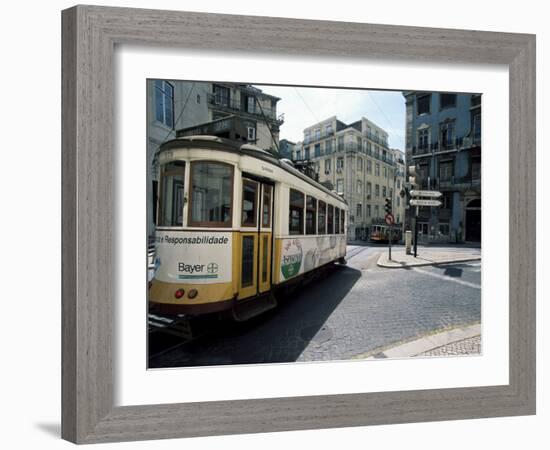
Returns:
(387, 206)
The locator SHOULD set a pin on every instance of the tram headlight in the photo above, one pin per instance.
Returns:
(192, 293)
(179, 293)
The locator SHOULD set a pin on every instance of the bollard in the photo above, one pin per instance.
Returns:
(408, 242)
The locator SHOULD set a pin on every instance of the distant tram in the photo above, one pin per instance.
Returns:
(234, 226)
(381, 233)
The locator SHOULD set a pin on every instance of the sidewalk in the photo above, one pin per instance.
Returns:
(426, 257)
(454, 342)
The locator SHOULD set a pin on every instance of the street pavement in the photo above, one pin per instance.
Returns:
(351, 311)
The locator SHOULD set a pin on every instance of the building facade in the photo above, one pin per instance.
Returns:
(174, 105)
(355, 161)
(444, 146)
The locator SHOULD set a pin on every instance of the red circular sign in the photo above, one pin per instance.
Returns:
(389, 219)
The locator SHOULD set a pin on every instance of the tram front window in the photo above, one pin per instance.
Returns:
(211, 194)
(171, 196)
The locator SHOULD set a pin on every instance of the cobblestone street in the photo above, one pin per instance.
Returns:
(353, 310)
(468, 346)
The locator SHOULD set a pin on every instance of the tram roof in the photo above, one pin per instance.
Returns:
(227, 145)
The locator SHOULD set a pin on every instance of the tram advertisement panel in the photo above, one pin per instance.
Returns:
(300, 255)
(193, 257)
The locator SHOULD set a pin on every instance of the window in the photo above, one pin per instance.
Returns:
(306, 153)
(377, 190)
(423, 138)
(398, 184)
(251, 133)
(317, 134)
(307, 137)
(328, 162)
(164, 103)
(376, 212)
(476, 127)
(369, 148)
(376, 152)
(328, 146)
(446, 200)
(340, 143)
(423, 104)
(340, 186)
(248, 103)
(328, 129)
(296, 213)
(247, 266)
(342, 221)
(211, 194)
(445, 170)
(377, 170)
(369, 188)
(171, 196)
(384, 191)
(336, 220)
(322, 218)
(444, 228)
(359, 215)
(266, 208)
(298, 155)
(360, 164)
(368, 210)
(385, 172)
(317, 150)
(476, 168)
(359, 187)
(446, 134)
(330, 219)
(447, 101)
(311, 215)
(369, 166)
(398, 200)
(250, 200)
(339, 164)
(221, 95)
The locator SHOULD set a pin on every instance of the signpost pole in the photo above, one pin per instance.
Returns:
(415, 231)
(389, 241)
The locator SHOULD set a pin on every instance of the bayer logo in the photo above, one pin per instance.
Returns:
(212, 268)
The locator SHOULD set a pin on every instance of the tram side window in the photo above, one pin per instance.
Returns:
(211, 194)
(250, 198)
(171, 195)
(330, 219)
(322, 217)
(311, 215)
(336, 220)
(296, 213)
(342, 221)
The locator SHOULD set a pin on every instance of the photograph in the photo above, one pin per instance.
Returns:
(292, 224)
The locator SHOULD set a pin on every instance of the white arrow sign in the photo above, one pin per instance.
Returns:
(422, 202)
(415, 193)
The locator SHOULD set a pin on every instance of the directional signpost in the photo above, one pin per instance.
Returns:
(428, 200)
(424, 202)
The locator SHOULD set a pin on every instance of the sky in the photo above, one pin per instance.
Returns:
(305, 106)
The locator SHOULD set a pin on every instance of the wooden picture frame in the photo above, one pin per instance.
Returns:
(90, 34)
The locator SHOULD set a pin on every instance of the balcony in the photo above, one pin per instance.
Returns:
(451, 184)
(377, 139)
(236, 107)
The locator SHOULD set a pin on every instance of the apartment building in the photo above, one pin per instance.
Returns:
(444, 146)
(355, 160)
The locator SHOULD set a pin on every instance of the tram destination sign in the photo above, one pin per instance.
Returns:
(424, 202)
(434, 194)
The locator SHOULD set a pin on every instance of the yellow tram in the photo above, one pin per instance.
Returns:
(235, 224)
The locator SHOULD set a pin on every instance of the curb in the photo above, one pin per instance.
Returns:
(395, 265)
(424, 344)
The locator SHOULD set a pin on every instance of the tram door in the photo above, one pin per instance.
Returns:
(256, 238)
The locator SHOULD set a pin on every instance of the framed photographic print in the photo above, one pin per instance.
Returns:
(248, 220)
